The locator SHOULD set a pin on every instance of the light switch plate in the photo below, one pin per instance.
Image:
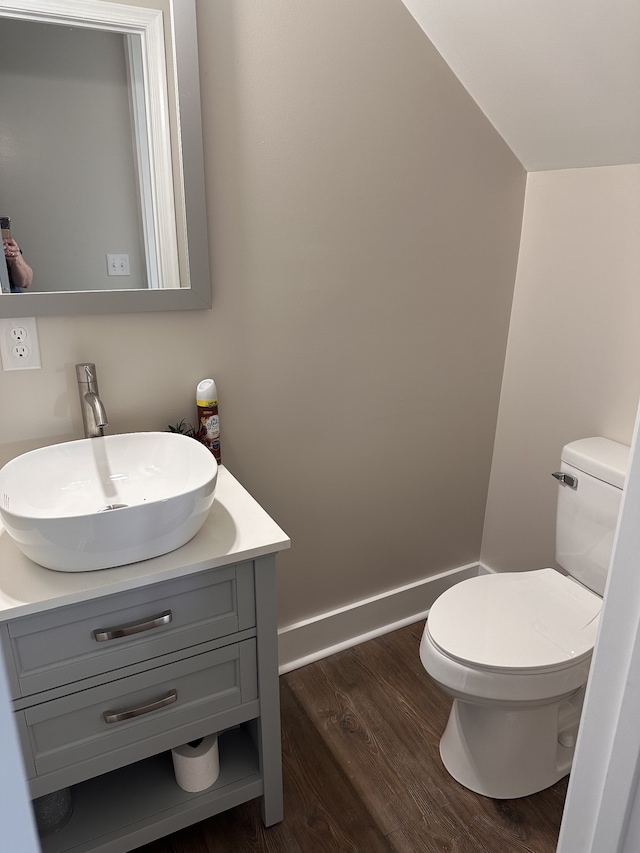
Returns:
(118, 265)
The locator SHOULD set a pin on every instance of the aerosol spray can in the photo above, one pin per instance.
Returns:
(208, 419)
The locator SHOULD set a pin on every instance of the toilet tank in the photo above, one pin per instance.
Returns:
(588, 513)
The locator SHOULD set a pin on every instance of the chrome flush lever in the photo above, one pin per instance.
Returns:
(566, 479)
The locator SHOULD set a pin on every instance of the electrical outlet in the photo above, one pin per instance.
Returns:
(17, 333)
(19, 345)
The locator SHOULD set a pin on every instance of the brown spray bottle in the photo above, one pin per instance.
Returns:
(208, 418)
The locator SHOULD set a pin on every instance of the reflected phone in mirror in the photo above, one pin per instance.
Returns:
(5, 224)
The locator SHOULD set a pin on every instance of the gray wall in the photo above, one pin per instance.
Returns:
(573, 361)
(364, 224)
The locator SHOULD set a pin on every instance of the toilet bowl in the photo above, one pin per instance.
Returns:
(514, 651)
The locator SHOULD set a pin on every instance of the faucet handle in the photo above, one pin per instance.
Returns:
(86, 372)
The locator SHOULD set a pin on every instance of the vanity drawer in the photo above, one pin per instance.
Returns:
(97, 637)
(137, 712)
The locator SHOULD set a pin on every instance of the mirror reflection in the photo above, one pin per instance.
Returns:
(102, 174)
(72, 164)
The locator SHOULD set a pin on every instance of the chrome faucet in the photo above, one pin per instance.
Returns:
(94, 416)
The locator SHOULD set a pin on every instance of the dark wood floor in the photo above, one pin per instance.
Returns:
(362, 772)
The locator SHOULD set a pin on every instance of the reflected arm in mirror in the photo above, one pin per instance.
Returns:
(19, 272)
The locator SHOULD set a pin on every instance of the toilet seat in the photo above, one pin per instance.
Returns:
(516, 622)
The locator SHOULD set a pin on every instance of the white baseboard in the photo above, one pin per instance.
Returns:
(331, 632)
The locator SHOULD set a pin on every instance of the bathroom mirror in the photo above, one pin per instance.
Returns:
(101, 165)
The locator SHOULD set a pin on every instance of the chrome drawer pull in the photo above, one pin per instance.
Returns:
(119, 716)
(100, 634)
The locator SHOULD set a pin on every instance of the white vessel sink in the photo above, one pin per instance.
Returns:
(102, 502)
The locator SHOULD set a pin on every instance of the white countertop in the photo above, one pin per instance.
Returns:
(236, 529)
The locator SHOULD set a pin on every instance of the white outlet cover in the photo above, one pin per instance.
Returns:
(19, 344)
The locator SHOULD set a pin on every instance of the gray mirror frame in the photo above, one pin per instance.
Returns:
(198, 296)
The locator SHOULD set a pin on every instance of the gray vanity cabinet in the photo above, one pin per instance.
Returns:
(103, 689)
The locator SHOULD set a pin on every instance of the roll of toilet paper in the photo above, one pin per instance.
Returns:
(196, 764)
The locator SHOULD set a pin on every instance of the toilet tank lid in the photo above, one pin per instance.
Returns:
(600, 457)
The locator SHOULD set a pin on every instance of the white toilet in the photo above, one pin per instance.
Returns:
(514, 649)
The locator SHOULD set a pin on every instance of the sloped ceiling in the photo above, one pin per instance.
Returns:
(558, 79)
